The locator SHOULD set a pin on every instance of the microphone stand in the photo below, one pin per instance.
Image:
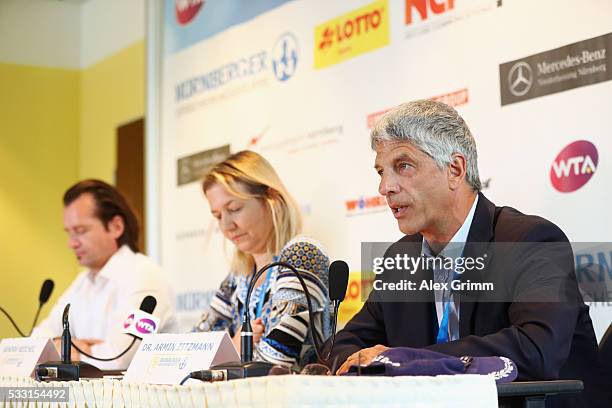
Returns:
(246, 335)
(66, 338)
(40, 305)
(66, 370)
(247, 367)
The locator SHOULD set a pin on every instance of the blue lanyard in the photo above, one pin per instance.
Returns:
(443, 332)
(263, 289)
(262, 293)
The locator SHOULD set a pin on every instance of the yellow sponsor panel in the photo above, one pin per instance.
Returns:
(352, 34)
(352, 302)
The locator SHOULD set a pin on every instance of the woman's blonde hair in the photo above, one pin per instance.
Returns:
(260, 181)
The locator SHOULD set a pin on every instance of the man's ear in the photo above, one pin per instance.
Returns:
(116, 226)
(457, 170)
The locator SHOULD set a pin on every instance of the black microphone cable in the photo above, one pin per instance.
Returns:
(340, 272)
(148, 305)
(43, 297)
(104, 359)
(206, 375)
(247, 352)
(45, 293)
(8, 316)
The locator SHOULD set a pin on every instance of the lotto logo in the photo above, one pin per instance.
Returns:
(352, 34)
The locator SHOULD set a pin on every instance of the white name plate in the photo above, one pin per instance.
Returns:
(19, 356)
(168, 358)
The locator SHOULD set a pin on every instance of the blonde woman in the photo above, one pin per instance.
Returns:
(256, 213)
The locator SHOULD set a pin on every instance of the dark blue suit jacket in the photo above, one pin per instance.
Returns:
(547, 340)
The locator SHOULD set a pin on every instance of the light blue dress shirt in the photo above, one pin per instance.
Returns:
(454, 249)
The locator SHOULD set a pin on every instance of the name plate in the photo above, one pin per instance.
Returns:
(19, 356)
(168, 358)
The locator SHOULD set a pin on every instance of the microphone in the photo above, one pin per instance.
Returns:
(247, 368)
(246, 335)
(43, 297)
(146, 323)
(338, 283)
(66, 339)
(67, 370)
(142, 321)
(45, 291)
(338, 280)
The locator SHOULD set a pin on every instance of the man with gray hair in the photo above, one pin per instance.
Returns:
(427, 162)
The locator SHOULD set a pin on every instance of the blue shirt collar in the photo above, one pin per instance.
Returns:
(454, 248)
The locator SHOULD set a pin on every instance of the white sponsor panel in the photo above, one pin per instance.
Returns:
(255, 86)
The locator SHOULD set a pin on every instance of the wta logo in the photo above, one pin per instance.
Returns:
(574, 166)
(145, 326)
(186, 10)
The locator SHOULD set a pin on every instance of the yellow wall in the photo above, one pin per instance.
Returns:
(112, 94)
(39, 125)
(56, 126)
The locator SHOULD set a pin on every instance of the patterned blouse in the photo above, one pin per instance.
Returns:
(285, 310)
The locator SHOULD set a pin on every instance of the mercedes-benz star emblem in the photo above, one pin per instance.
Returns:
(520, 78)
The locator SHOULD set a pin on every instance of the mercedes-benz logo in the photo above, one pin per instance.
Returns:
(520, 78)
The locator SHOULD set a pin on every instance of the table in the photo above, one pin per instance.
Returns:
(532, 394)
(279, 391)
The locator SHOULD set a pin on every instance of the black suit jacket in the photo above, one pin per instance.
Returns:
(547, 340)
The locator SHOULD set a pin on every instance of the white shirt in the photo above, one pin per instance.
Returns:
(99, 304)
(453, 249)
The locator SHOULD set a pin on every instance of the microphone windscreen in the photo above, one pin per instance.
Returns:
(338, 280)
(148, 304)
(45, 291)
(65, 315)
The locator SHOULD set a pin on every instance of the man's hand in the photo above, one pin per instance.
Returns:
(362, 357)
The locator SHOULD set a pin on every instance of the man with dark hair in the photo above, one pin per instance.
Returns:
(427, 162)
(103, 233)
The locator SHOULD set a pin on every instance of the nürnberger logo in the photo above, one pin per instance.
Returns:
(423, 6)
(128, 322)
(186, 10)
(574, 166)
(285, 57)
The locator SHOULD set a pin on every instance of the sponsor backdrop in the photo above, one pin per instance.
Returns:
(302, 82)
